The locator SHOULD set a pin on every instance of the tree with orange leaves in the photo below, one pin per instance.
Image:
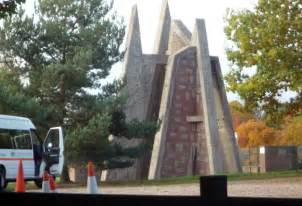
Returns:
(255, 133)
(291, 134)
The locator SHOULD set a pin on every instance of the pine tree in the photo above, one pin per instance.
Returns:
(52, 60)
(8, 7)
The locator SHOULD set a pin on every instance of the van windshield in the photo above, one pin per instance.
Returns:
(15, 139)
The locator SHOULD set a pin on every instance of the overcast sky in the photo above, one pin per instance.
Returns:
(212, 11)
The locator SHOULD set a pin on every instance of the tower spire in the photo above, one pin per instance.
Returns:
(133, 44)
(163, 31)
(199, 40)
(133, 61)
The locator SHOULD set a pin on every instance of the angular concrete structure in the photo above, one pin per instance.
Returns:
(215, 153)
(180, 84)
(163, 31)
(133, 62)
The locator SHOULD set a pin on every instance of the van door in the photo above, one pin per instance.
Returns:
(53, 151)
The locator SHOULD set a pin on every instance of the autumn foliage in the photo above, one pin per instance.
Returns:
(255, 133)
(291, 134)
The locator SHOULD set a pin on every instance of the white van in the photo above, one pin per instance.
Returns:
(19, 141)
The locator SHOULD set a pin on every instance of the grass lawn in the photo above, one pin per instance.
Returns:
(195, 179)
(30, 185)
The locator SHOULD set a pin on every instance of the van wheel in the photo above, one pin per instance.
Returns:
(3, 182)
(38, 183)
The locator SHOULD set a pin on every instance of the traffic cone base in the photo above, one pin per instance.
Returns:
(45, 184)
(52, 184)
(20, 183)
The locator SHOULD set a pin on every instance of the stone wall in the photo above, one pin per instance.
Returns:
(278, 158)
(130, 173)
(268, 159)
(78, 174)
(183, 144)
(249, 158)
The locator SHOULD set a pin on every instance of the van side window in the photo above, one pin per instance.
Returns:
(15, 139)
(5, 140)
(22, 140)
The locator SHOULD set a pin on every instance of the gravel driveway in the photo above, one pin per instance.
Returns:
(283, 187)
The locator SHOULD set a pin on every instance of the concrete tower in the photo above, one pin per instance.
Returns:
(180, 84)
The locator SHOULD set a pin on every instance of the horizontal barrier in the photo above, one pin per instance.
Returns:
(214, 193)
(53, 199)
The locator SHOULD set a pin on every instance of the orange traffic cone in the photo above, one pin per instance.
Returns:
(20, 183)
(45, 184)
(92, 186)
(52, 184)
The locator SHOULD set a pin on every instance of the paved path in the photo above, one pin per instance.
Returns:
(285, 187)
